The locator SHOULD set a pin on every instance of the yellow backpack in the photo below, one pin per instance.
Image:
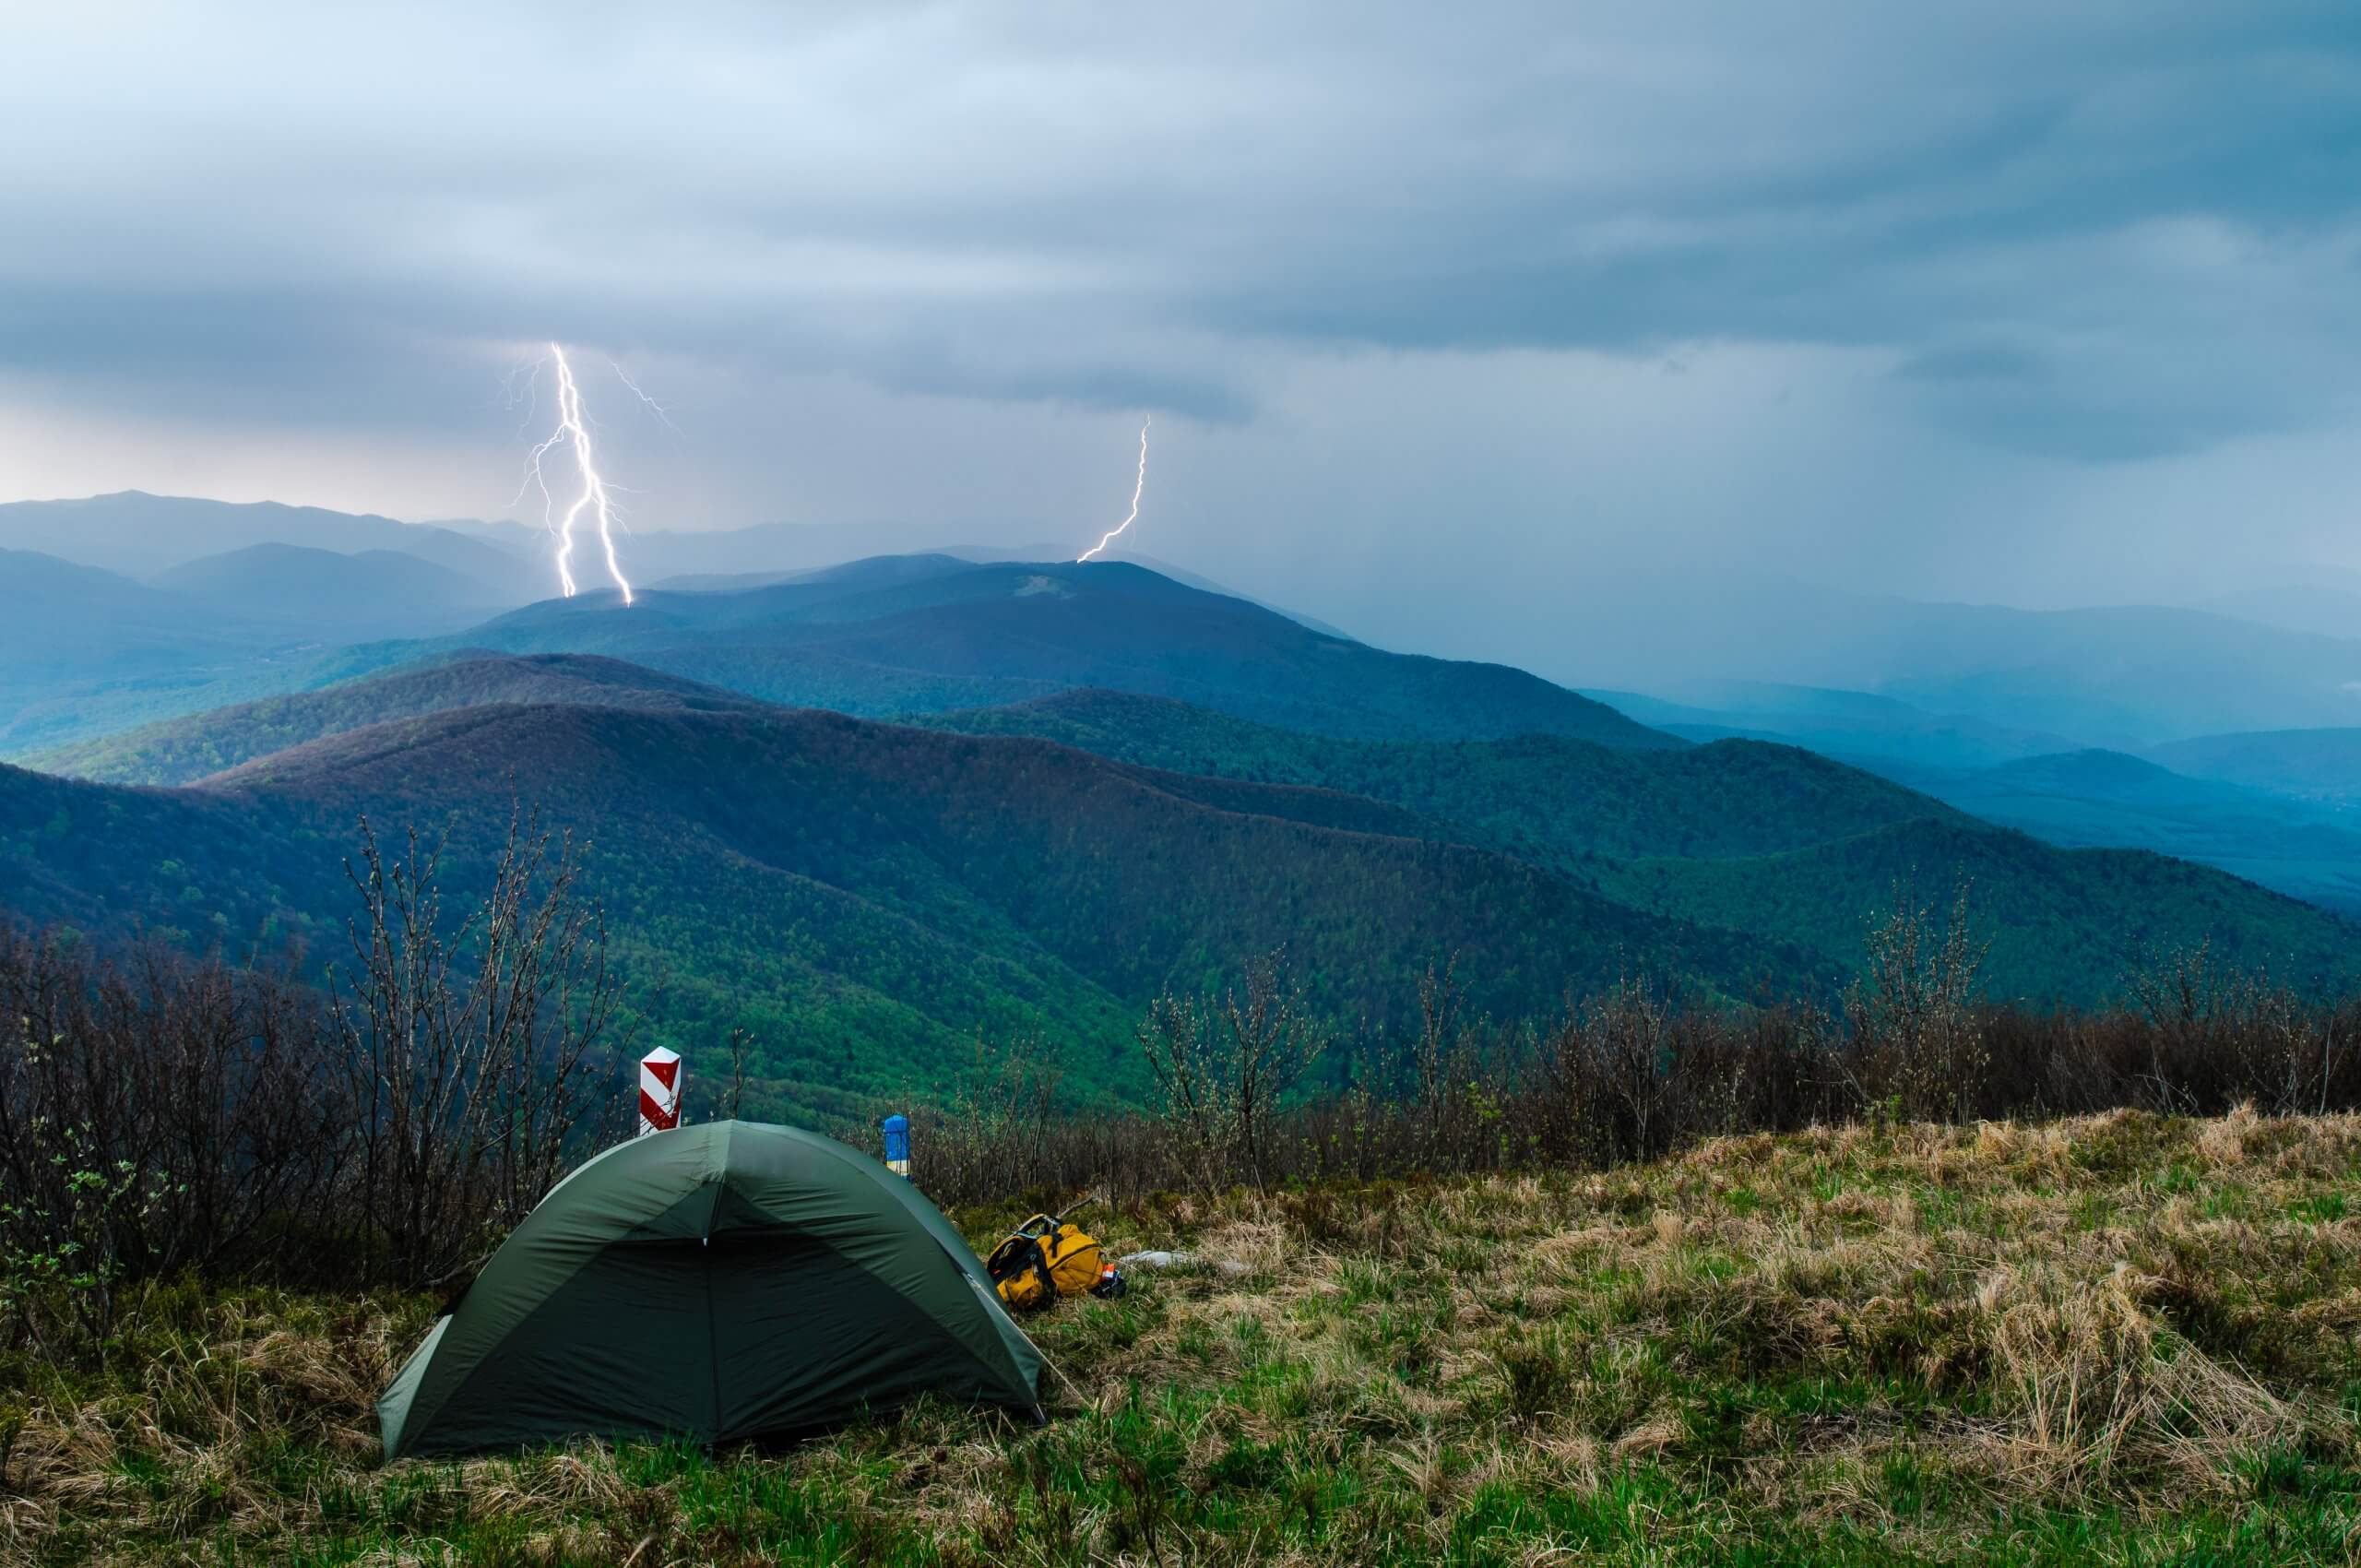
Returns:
(1044, 1258)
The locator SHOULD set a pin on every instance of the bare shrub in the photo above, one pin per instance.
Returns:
(742, 1042)
(1459, 1068)
(1224, 1066)
(1626, 1037)
(2218, 1032)
(1434, 1057)
(1180, 1041)
(1912, 1011)
(155, 1114)
(1561, 1110)
(1626, 1075)
(1005, 1128)
(471, 1052)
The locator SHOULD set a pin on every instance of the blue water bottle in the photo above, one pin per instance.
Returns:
(897, 1144)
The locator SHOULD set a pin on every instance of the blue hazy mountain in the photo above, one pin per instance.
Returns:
(365, 594)
(2316, 765)
(2249, 816)
(739, 581)
(2121, 677)
(2097, 798)
(81, 646)
(91, 651)
(138, 534)
(64, 618)
(280, 623)
(2309, 596)
(1858, 726)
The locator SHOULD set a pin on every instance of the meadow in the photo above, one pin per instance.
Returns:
(2120, 1338)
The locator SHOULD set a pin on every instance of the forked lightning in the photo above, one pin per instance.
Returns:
(573, 430)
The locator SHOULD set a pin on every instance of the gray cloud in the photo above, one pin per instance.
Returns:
(1030, 202)
(2118, 234)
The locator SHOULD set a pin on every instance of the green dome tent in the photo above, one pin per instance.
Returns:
(716, 1282)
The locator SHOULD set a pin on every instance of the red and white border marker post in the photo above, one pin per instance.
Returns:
(660, 1092)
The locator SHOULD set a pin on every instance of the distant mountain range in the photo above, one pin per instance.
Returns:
(2121, 677)
(369, 592)
(267, 598)
(2307, 850)
(2276, 808)
(138, 535)
(1123, 780)
(2322, 765)
(737, 582)
(125, 608)
(2308, 598)
(1858, 725)
(83, 650)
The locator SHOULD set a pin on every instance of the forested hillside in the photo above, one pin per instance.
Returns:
(1747, 836)
(867, 897)
(2056, 919)
(1557, 799)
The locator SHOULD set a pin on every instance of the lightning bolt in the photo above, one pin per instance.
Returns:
(575, 431)
(1138, 489)
(658, 410)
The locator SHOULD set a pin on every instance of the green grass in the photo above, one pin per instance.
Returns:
(2120, 1340)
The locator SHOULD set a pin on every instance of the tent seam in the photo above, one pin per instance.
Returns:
(712, 1323)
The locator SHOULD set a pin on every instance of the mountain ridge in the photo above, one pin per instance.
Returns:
(1002, 632)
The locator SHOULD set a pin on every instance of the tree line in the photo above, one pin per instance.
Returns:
(1633, 1071)
(162, 1114)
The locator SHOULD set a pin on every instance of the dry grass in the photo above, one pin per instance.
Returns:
(2118, 1339)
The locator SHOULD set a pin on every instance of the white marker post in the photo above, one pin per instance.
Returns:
(660, 1092)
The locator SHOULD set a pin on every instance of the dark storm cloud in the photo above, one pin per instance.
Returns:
(2029, 179)
(2107, 231)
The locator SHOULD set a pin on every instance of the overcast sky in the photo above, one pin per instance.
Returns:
(1446, 315)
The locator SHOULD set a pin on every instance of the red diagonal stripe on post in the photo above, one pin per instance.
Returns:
(666, 1073)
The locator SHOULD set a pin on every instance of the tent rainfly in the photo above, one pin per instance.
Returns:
(716, 1282)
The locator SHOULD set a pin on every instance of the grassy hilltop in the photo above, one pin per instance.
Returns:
(2121, 1339)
